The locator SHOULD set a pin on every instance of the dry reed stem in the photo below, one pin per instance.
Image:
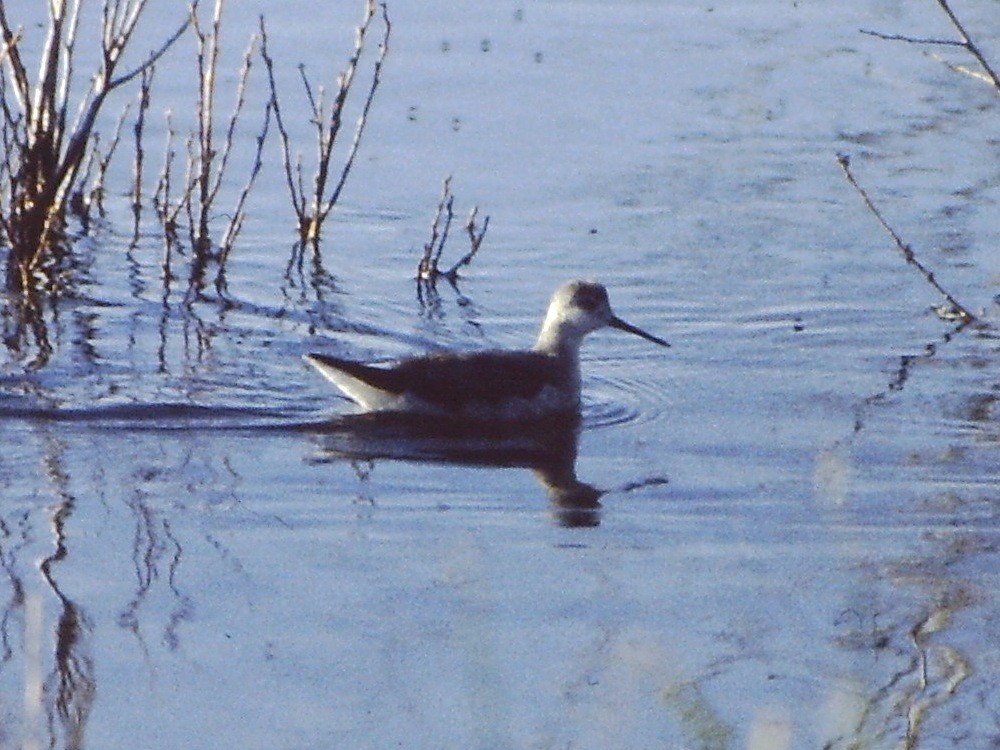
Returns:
(208, 153)
(362, 119)
(208, 58)
(314, 206)
(476, 236)
(280, 123)
(241, 89)
(161, 196)
(239, 215)
(98, 162)
(139, 158)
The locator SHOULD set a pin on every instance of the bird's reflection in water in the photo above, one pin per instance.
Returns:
(547, 447)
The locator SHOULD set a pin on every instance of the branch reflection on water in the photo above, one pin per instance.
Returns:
(908, 674)
(68, 691)
(44, 626)
(547, 447)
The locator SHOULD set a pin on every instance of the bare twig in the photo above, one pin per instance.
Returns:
(964, 41)
(95, 195)
(155, 55)
(78, 203)
(236, 222)
(208, 58)
(313, 208)
(476, 237)
(912, 39)
(297, 195)
(969, 45)
(168, 210)
(12, 54)
(909, 256)
(161, 196)
(208, 153)
(9, 43)
(118, 32)
(427, 268)
(362, 119)
(138, 131)
(227, 145)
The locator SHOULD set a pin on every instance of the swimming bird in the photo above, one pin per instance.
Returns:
(490, 385)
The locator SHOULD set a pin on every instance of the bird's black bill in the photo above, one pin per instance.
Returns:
(621, 325)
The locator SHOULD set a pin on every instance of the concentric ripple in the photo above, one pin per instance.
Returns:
(610, 400)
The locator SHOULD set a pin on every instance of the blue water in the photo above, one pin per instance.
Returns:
(779, 533)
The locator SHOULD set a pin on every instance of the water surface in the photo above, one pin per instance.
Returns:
(780, 533)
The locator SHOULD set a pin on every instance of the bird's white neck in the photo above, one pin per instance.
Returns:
(564, 346)
(559, 339)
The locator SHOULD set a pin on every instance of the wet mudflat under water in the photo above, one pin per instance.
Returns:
(797, 542)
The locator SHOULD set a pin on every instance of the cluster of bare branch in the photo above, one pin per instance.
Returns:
(47, 149)
(54, 164)
(208, 157)
(428, 269)
(953, 310)
(313, 205)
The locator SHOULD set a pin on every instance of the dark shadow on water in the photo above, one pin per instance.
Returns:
(157, 417)
(547, 447)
